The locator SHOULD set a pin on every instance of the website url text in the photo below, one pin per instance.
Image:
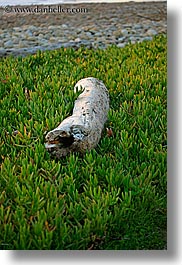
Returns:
(44, 9)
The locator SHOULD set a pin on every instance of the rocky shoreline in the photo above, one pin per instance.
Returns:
(24, 30)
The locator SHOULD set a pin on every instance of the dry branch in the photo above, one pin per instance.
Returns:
(81, 131)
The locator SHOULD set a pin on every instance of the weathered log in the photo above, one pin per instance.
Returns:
(81, 131)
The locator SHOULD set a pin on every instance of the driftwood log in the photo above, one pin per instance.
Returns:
(81, 131)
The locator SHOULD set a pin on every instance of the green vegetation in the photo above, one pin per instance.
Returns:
(113, 197)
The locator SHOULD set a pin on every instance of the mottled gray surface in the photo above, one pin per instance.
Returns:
(81, 131)
(102, 25)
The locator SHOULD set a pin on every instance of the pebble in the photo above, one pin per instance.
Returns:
(121, 39)
(121, 45)
(77, 40)
(8, 44)
(151, 32)
(124, 32)
(148, 38)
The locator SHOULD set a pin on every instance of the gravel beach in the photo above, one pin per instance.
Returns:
(26, 29)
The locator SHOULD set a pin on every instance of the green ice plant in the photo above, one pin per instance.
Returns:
(113, 197)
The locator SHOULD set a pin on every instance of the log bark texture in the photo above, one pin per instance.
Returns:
(81, 131)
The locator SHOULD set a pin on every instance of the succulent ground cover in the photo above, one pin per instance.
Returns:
(113, 197)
